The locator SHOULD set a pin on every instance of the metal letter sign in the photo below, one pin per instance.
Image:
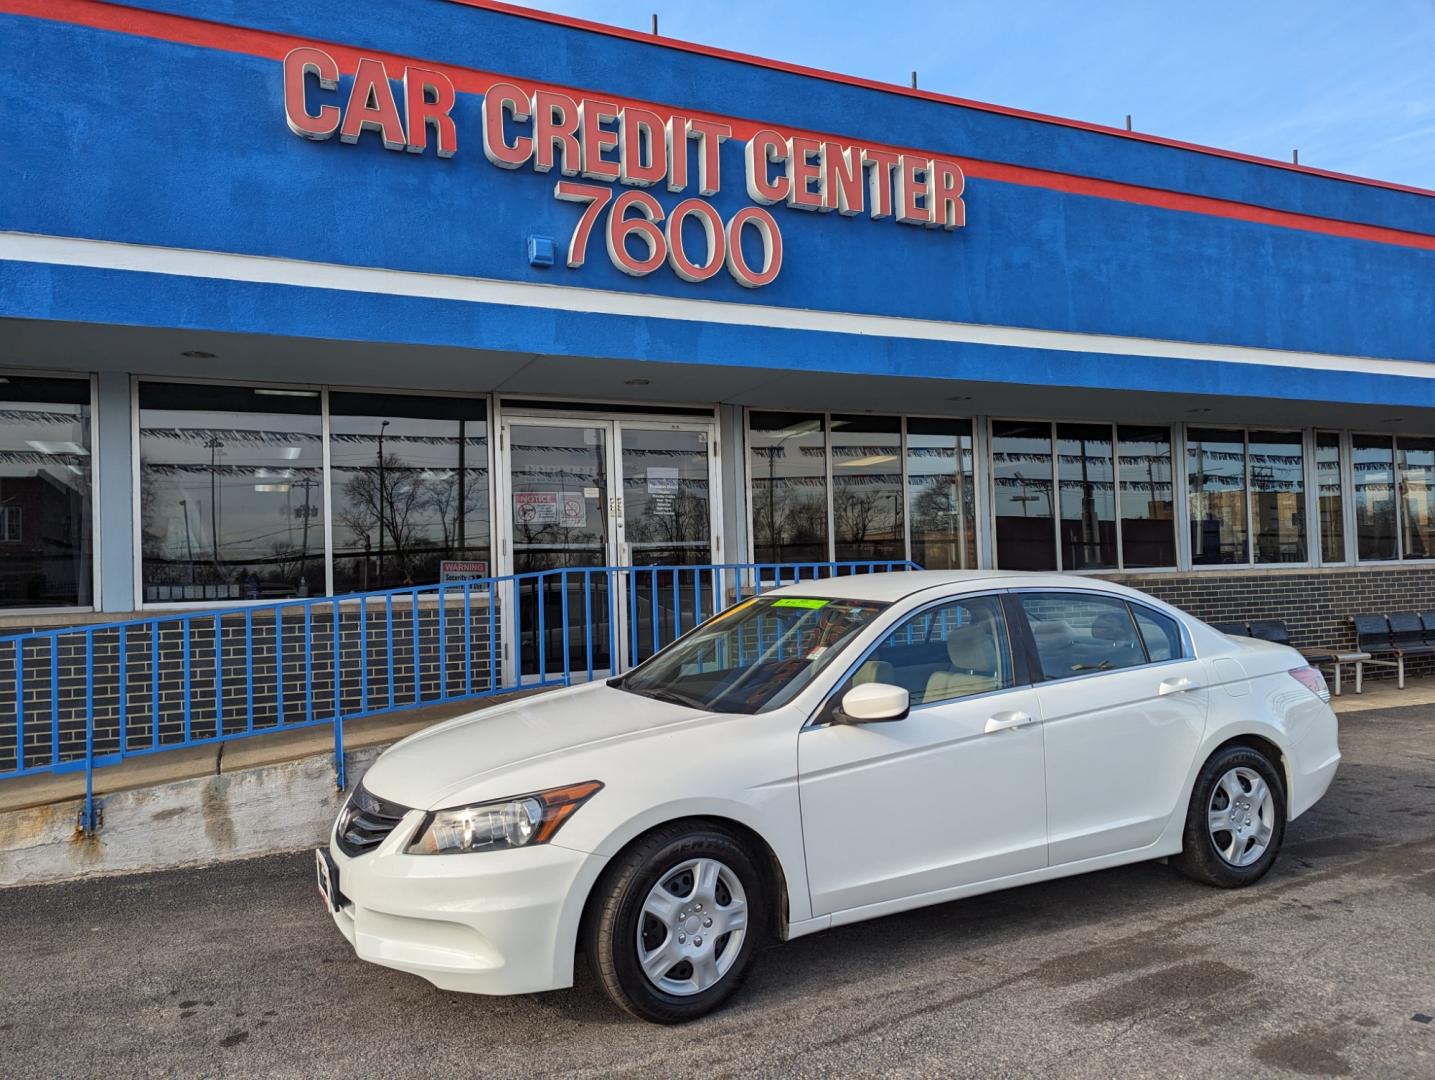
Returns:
(637, 146)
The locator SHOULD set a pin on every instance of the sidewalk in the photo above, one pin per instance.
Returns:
(1383, 694)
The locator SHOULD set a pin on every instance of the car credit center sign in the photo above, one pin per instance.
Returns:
(549, 131)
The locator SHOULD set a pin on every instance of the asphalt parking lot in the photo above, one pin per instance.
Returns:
(1321, 970)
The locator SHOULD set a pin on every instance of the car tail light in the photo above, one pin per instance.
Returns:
(1312, 680)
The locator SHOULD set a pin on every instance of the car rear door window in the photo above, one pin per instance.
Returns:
(1078, 634)
(953, 650)
(1160, 633)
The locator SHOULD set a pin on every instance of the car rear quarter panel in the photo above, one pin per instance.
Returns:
(1253, 694)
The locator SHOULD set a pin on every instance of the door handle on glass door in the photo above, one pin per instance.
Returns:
(1175, 686)
(1005, 720)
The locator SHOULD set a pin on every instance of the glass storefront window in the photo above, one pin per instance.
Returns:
(788, 463)
(1373, 465)
(409, 479)
(941, 493)
(1021, 485)
(1087, 496)
(1417, 494)
(1330, 498)
(1277, 464)
(1216, 481)
(231, 492)
(46, 550)
(867, 488)
(1148, 505)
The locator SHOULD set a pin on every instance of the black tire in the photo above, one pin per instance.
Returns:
(1200, 858)
(611, 932)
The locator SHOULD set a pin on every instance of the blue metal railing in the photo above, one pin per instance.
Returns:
(84, 697)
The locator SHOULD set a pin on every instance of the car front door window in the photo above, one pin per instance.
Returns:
(950, 651)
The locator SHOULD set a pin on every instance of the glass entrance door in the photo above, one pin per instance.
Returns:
(560, 515)
(584, 493)
(668, 489)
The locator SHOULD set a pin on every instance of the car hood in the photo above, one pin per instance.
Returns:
(428, 769)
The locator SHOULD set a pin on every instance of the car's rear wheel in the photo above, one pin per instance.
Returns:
(675, 922)
(1236, 820)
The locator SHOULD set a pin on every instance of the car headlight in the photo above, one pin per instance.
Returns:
(506, 823)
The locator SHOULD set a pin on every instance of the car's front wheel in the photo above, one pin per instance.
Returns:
(1236, 820)
(675, 921)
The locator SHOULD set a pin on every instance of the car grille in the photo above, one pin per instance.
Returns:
(366, 821)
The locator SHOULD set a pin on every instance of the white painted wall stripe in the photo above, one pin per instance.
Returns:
(260, 269)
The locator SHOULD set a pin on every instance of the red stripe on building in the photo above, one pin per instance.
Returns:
(274, 46)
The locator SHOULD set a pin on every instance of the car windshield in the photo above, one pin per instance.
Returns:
(752, 657)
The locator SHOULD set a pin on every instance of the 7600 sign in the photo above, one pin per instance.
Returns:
(636, 216)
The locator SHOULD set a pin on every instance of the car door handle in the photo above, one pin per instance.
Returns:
(1176, 686)
(1006, 720)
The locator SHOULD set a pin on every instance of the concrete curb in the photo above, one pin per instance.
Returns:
(193, 822)
(199, 805)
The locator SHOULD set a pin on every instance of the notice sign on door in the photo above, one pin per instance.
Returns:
(535, 507)
(662, 488)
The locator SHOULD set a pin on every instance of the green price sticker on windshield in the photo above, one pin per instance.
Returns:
(802, 602)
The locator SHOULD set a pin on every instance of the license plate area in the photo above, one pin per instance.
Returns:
(327, 874)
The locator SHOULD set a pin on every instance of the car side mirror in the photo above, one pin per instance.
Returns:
(874, 702)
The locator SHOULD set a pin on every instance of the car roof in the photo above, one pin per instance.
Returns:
(888, 586)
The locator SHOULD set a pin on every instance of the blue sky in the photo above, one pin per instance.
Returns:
(1351, 84)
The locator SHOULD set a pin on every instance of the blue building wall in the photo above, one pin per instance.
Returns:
(199, 158)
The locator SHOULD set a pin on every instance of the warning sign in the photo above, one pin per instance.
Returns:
(461, 570)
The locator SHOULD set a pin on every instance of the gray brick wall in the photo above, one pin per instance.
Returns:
(1317, 605)
(233, 683)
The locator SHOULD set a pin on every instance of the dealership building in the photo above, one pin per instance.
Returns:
(300, 301)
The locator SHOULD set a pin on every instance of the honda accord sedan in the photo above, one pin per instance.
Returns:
(818, 755)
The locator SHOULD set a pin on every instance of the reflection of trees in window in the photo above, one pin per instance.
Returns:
(231, 492)
(45, 497)
(867, 492)
(384, 502)
(789, 487)
(941, 492)
(410, 482)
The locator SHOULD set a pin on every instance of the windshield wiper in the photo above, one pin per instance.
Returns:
(672, 697)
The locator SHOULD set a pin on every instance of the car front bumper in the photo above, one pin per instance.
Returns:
(501, 922)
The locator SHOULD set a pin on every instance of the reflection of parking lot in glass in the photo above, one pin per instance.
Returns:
(667, 521)
(559, 479)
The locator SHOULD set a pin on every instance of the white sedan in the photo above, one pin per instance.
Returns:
(822, 754)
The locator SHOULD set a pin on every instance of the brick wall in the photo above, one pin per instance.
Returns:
(237, 677)
(1317, 605)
